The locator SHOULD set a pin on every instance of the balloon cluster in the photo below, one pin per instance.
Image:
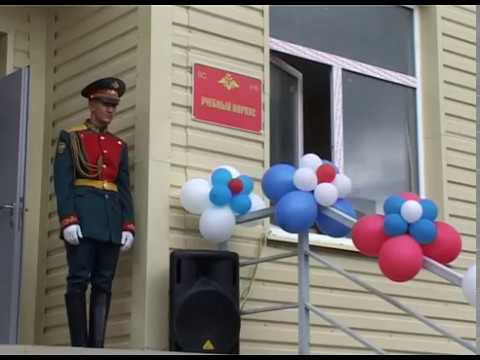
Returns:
(404, 235)
(226, 194)
(297, 194)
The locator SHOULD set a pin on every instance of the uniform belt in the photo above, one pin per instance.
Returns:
(99, 184)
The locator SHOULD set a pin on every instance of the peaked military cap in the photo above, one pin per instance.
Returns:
(110, 89)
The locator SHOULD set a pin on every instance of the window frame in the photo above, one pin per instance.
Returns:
(9, 50)
(338, 64)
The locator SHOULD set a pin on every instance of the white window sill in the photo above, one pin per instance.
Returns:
(316, 240)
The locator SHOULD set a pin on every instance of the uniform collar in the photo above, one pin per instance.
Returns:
(92, 127)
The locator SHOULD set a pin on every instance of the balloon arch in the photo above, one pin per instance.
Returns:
(408, 230)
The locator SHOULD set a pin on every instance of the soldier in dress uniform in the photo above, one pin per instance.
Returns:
(95, 209)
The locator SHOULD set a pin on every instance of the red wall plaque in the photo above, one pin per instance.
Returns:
(227, 98)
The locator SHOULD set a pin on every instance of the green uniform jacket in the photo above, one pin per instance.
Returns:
(102, 214)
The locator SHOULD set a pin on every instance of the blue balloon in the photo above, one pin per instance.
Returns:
(332, 227)
(220, 195)
(296, 211)
(395, 225)
(430, 209)
(393, 204)
(221, 177)
(278, 181)
(247, 184)
(424, 231)
(241, 204)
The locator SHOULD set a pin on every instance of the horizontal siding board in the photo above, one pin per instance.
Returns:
(96, 24)
(86, 46)
(458, 15)
(460, 208)
(459, 62)
(215, 25)
(71, 17)
(461, 176)
(461, 144)
(458, 31)
(459, 77)
(205, 141)
(98, 57)
(461, 160)
(181, 117)
(459, 126)
(459, 47)
(460, 94)
(463, 225)
(465, 111)
(205, 160)
(233, 14)
(117, 67)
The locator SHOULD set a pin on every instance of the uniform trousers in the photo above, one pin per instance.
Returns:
(93, 262)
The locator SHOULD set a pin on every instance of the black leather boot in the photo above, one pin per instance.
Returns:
(77, 318)
(99, 308)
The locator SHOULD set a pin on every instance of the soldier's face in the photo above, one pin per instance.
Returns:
(102, 112)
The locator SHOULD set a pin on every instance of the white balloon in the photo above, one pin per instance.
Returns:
(305, 179)
(311, 161)
(343, 184)
(411, 211)
(194, 196)
(217, 224)
(326, 194)
(469, 284)
(257, 204)
(235, 173)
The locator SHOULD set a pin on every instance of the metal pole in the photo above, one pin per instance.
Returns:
(303, 295)
(345, 329)
(268, 308)
(268, 258)
(392, 301)
(442, 271)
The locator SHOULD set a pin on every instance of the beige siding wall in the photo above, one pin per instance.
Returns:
(84, 44)
(458, 112)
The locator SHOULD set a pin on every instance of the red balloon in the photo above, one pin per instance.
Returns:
(236, 186)
(446, 246)
(400, 258)
(326, 173)
(410, 196)
(368, 235)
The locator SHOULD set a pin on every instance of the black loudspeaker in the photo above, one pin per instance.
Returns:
(204, 302)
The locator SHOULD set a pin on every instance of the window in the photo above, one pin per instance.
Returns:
(358, 103)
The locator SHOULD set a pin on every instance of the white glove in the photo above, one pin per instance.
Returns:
(72, 234)
(127, 240)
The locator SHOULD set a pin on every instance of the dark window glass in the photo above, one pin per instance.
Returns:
(380, 138)
(377, 35)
